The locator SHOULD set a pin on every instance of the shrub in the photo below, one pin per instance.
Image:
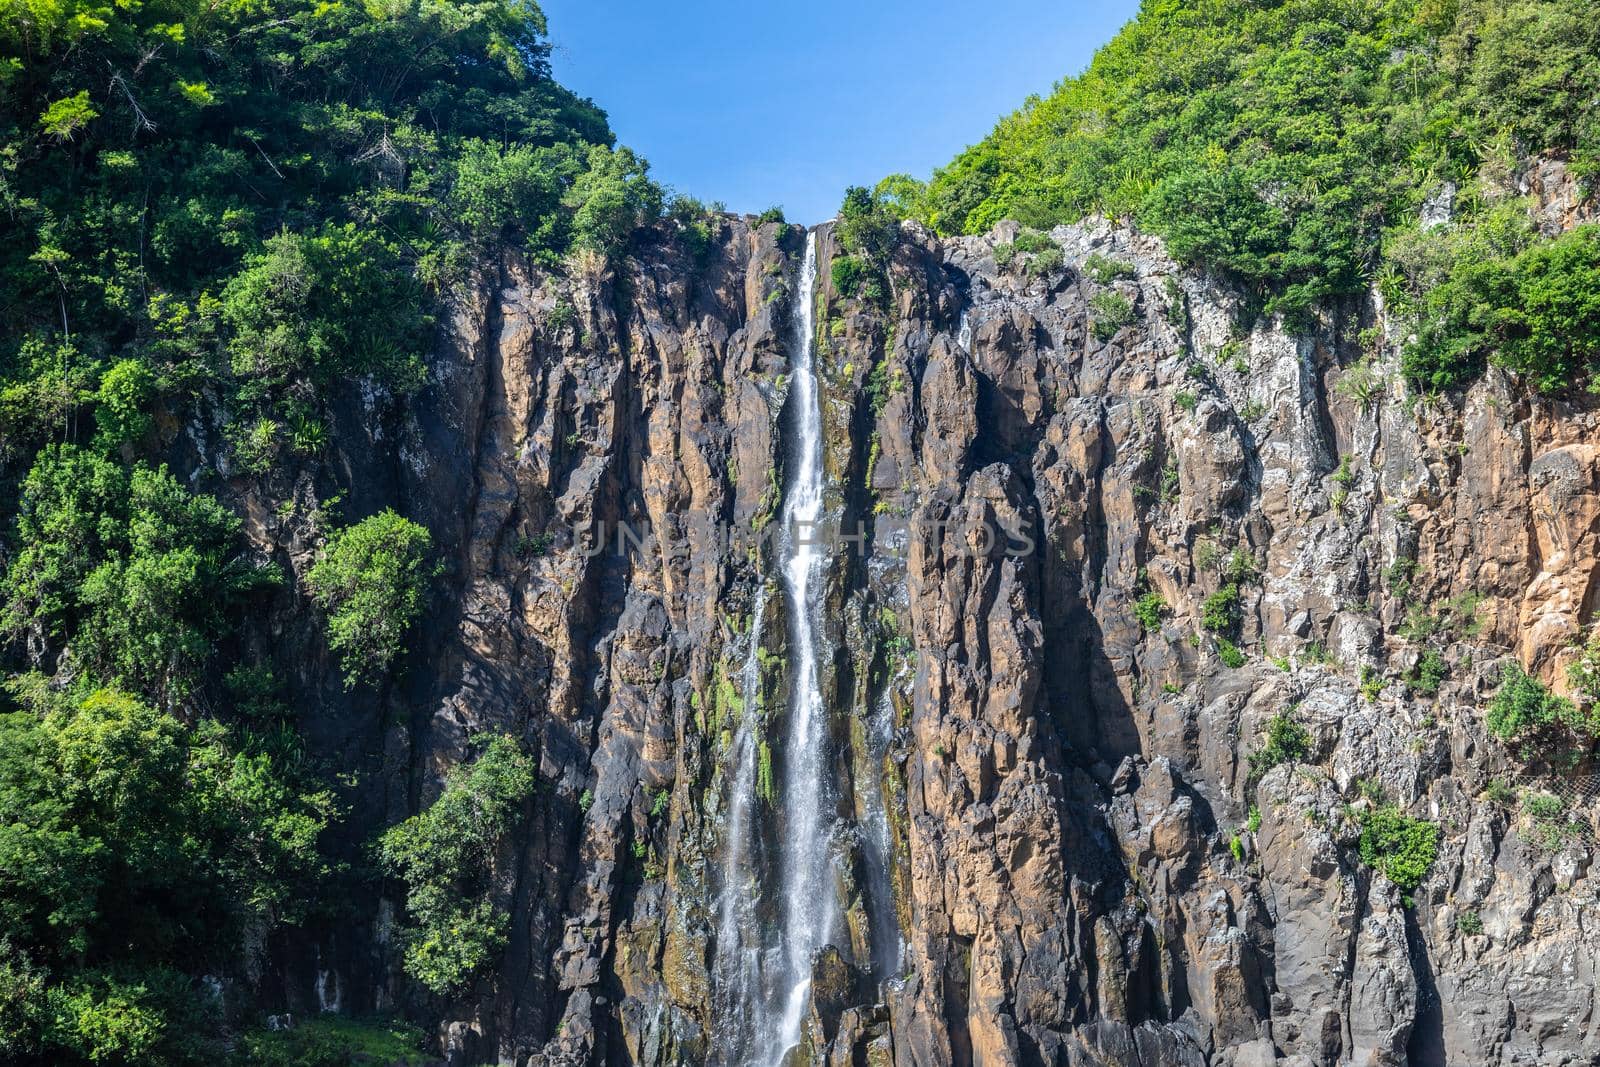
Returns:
(771, 214)
(848, 275)
(1400, 847)
(1149, 609)
(1034, 242)
(1220, 612)
(323, 308)
(372, 579)
(444, 857)
(123, 412)
(1430, 673)
(129, 840)
(333, 1041)
(1524, 710)
(131, 569)
(1286, 742)
(611, 199)
(1231, 655)
(868, 227)
(497, 191)
(1104, 270)
(1533, 309)
(1045, 263)
(1551, 824)
(1110, 312)
(1360, 383)
(1470, 923)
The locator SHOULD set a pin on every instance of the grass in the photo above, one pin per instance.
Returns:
(334, 1041)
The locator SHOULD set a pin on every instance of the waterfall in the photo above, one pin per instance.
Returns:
(737, 966)
(778, 900)
(809, 904)
(888, 944)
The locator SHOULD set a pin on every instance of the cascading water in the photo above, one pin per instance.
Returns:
(809, 906)
(763, 970)
(738, 959)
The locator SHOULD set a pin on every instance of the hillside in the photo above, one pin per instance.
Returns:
(417, 648)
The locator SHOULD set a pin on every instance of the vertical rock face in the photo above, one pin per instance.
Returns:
(1052, 847)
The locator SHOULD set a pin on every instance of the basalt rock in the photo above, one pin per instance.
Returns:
(1084, 863)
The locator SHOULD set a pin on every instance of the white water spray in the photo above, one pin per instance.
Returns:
(738, 959)
(809, 907)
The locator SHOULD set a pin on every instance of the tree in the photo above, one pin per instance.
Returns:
(372, 579)
(611, 199)
(132, 847)
(444, 857)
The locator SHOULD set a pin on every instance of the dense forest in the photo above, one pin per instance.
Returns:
(251, 204)
(1293, 146)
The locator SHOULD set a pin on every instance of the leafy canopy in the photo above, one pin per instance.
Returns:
(372, 580)
(445, 856)
(1279, 141)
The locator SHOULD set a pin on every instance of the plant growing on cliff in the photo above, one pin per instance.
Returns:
(1231, 655)
(129, 567)
(333, 1041)
(128, 840)
(1400, 847)
(1526, 714)
(1104, 270)
(1220, 612)
(1286, 742)
(372, 579)
(444, 858)
(1149, 609)
(1110, 311)
(1429, 673)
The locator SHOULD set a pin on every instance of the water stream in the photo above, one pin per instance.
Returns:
(737, 967)
(809, 907)
(778, 904)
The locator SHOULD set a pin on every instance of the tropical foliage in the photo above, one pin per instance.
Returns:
(1292, 145)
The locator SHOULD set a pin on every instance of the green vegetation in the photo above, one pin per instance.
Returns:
(444, 858)
(1401, 847)
(766, 784)
(1292, 144)
(1103, 270)
(1287, 742)
(849, 274)
(868, 227)
(1526, 714)
(1429, 673)
(136, 850)
(125, 567)
(240, 216)
(1551, 824)
(1220, 612)
(1497, 293)
(1470, 923)
(1110, 312)
(1232, 655)
(332, 1041)
(1149, 609)
(372, 580)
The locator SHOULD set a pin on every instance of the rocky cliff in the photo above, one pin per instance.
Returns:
(1053, 844)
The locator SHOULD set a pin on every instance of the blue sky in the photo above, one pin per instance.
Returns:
(758, 103)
